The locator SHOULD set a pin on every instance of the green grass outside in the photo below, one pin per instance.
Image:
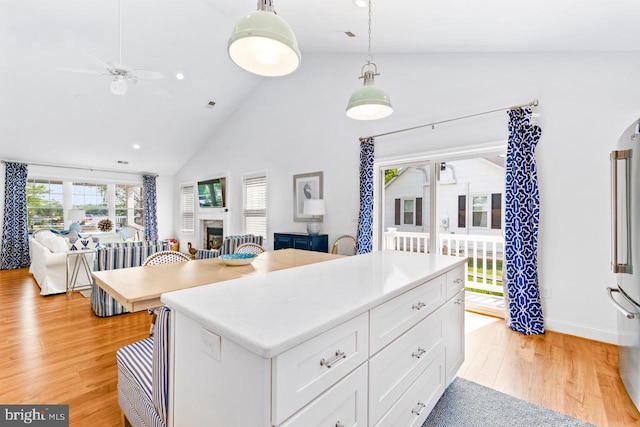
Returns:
(489, 272)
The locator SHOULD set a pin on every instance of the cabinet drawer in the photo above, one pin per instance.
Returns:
(393, 318)
(304, 372)
(396, 367)
(344, 404)
(455, 280)
(414, 406)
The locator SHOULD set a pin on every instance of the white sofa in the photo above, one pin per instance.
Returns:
(49, 263)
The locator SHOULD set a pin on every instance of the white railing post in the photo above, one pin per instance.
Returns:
(390, 239)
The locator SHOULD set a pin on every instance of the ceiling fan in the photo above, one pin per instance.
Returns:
(122, 75)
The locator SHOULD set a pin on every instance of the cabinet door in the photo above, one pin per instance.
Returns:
(281, 242)
(454, 335)
(345, 404)
(302, 243)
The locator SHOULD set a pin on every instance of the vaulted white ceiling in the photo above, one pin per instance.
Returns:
(54, 116)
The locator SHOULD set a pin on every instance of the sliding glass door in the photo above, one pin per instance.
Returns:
(451, 206)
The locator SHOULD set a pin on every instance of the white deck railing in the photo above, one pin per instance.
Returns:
(485, 254)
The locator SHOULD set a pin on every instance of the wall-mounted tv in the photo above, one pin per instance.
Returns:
(212, 193)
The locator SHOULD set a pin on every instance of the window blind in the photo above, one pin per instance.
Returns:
(188, 208)
(255, 205)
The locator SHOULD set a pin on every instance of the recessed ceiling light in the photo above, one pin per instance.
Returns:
(179, 76)
(136, 146)
(360, 3)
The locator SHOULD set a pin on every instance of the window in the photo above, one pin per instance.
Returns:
(409, 210)
(187, 196)
(49, 200)
(479, 211)
(92, 198)
(44, 204)
(254, 188)
(129, 207)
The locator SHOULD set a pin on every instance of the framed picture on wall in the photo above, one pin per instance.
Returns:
(305, 186)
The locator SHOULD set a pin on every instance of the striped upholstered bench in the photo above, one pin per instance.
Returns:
(119, 255)
(229, 245)
(143, 375)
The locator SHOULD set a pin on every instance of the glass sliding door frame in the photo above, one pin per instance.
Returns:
(434, 160)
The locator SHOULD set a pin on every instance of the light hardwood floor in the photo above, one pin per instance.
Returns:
(54, 350)
(572, 375)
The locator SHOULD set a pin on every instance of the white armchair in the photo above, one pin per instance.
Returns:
(49, 263)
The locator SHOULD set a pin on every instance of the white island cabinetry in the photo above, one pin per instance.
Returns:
(358, 341)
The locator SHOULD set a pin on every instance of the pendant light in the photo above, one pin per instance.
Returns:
(264, 44)
(370, 102)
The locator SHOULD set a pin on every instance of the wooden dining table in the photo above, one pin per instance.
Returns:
(140, 288)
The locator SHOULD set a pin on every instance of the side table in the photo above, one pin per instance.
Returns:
(79, 261)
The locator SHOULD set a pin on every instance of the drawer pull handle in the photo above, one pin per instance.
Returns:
(458, 301)
(418, 306)
(418, 354)
(457, 281)
(418, 408)
(335, 359)
(339, 424)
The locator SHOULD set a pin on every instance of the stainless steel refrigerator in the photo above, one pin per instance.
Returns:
(625, 254)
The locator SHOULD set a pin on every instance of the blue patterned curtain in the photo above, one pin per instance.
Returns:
(522, 212)
(149, 200)
(14, 252)
(364, 242)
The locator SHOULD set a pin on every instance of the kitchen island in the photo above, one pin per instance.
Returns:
(369, 340)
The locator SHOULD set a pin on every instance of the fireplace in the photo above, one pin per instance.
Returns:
(214, 238)
(212, 233)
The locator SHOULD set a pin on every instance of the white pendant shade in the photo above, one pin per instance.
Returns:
(370, 102)
(264, 44)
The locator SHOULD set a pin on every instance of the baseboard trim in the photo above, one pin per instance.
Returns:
(582, 330)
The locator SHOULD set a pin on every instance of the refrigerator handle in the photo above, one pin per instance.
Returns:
(621, 215)
(620, 308)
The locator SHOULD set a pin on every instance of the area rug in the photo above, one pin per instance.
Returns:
(86, 293)
(467, 404)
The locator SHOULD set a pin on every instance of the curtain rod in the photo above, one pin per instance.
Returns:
(533, 103)
(79, 168)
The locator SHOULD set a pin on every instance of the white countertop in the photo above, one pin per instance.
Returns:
(273, 312)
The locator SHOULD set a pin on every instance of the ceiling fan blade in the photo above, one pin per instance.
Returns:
(80, 70)
(147, 75)
(100, 62)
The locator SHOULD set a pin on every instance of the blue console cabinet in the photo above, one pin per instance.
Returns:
(319, 243)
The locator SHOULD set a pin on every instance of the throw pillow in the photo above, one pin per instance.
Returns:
(77, 244)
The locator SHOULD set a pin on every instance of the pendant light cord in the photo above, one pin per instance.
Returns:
(369, 58)
(120, 33)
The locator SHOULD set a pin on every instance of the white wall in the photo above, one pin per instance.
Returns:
(296, 124)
